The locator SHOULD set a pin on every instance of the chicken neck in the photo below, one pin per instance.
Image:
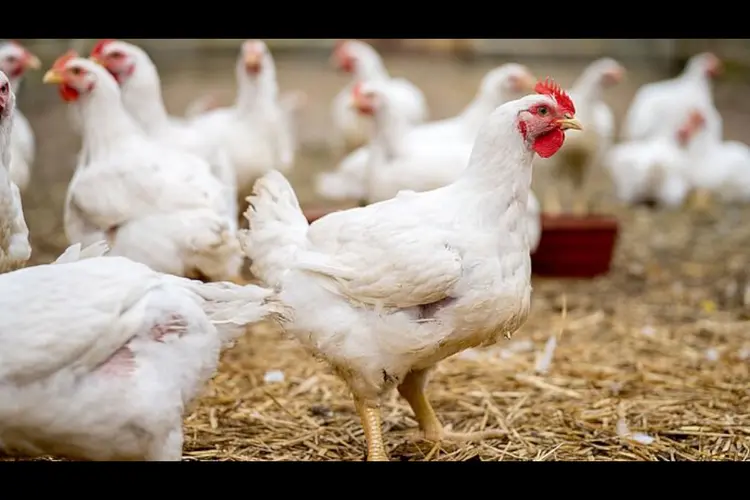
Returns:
(388, 142)
(255, 93)
(588, 87)
(104, 120)
(143, 98)
(477, 111)
(496, 183)
(369, 66)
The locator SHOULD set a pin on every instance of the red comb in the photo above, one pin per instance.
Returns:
(99, 47)
(551, 88)
(61, 61)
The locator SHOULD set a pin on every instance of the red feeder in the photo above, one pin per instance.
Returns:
(574, 246)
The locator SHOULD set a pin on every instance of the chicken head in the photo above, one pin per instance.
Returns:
(73, 75)
(706, 63)
(7, 98)
(507, 81)
(347, 54)
(15, 60)
(543, 125)
(253, 54)
(366, 99)
(610, 71)
(116, 56)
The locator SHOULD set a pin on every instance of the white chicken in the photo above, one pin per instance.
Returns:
(141, 93)
(99, 358)
(153, 204)
(659, 108)
(254, 132)
(498, 86)
(15, 60)
(654, 169)
(15, 249)
(721, 169)
(573, 164)
(387, 291)
(363, 62)
(394, 163)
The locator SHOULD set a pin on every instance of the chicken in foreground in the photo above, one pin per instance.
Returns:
(498, 86)
(101, 356)
(255, 131)
(152, 203)
(141, 93)
(654, 169)
(387, 291)
(364, 63)
(15, 249)
(573, 165)
(15, 61)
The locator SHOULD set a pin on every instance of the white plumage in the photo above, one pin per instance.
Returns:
(101, 356)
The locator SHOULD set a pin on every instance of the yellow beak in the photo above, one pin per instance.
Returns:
(569, 123)
(33, 62)
(53, 77)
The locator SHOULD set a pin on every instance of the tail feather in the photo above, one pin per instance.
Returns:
(76, 252)
(277, 227)
(231, 308)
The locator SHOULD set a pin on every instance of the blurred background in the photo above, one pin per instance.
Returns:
(447, 70)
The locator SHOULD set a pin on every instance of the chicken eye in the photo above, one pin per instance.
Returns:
(12, 59)
(4, 88)
(542, 110)
(75, 71)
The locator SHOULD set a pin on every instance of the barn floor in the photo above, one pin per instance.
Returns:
(661, 345)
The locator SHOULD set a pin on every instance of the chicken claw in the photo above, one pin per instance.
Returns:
(371, 423)
(413, 391)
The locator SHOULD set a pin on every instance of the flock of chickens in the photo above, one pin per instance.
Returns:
(103, 350)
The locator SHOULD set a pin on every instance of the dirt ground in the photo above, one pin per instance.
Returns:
(661, 344)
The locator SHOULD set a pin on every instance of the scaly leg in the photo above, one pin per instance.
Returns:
(413, 391)
(371, 423)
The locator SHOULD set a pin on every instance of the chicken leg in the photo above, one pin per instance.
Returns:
(413, 391)
(371, 423)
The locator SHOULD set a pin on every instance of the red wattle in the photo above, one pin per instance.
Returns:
(68, 93)
(548, 144)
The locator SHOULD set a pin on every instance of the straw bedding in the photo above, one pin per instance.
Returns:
(651, 363)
